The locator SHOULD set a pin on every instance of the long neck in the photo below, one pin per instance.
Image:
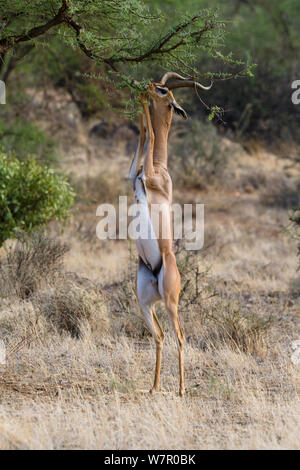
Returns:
(161, 122)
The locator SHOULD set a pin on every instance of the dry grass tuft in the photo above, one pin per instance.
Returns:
(246, 332)
(31, 262)
(68, 307)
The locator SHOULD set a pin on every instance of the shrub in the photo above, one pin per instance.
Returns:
(246, 332)
(68, 306)
(30, 196)
(279, 191)
(197, 158)
(32, 261)
(212, 321)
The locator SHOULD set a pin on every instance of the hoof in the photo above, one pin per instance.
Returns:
(181, 392)
(153, 390)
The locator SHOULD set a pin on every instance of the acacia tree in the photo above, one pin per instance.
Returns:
(117, 33)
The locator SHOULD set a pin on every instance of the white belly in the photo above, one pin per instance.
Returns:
(149, 252)
(146, 243)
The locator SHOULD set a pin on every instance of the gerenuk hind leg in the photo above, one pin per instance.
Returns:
(169, 288)
(148, 295)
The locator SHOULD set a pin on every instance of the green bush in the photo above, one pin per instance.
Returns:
(30, 196)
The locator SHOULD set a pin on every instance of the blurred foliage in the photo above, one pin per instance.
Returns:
(30, 196)
(197, 159)
(25, 138)
(268, 33)
(60, 65)
(264, 33)
(281, 191)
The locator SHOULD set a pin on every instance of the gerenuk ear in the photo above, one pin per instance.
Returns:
(179, 110)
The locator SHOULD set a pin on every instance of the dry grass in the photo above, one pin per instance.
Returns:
(86, 393)
(29, 263)
(80, 358)
(69, 306)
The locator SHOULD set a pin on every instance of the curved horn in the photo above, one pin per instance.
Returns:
(190, 84)
(169, 75)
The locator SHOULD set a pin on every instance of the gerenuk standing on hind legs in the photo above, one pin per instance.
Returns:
(158, 276)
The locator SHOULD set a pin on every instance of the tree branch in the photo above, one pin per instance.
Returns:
(9, 42)
(77, 28)
(157, 49)
(171, 41)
